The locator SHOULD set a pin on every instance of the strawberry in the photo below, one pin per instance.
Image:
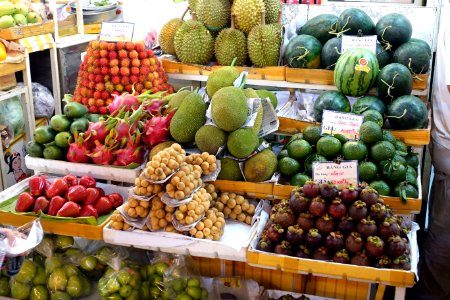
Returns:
(87, 181)
(36, 185)
(71, 180)
(76, 193)
(57, 188)
(92, 196)
(55, 205)
(69, 209)
(41, 204)
(103, 206)
(25, 202)
(116, 199)
(88, 211)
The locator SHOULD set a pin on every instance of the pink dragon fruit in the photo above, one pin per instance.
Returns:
(156, 130)
(101, 154)
(97, 131)
(130, 154)
(78, 151)
(125, 102)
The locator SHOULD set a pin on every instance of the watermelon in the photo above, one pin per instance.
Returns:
(353, 21)
(393, 30)
(423, 43)
(320, 27)
(407, 112)
(393, 81)
(303, 51)
(368, 102)
(414, 55)
(384, 56)
(331, 52)
(330, 100)
(356, 71)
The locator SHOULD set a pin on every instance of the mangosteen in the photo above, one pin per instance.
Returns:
(349, 195)
(306, 221)
(360, 259)
(367, 227)
(378, 212)
(328, 191)
(369, 196)
(341, 257)
(303, 252)
(389, 227)
(283, 248)
(313, 238)
(284, 216)
(280, 204)
(375, 246)
(358, 210)
(321, 254)
(346, 225)
(264, 245)
(354, 242)
(325, 224)
(317, 207)
(298, 202)
(275, 233)
(337, 209)
(311, 189)
(382, 262)
(401, 262)
(334, 241)
(295, 235)
(396, 246)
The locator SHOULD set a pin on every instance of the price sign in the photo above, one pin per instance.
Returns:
(116, 32)
(346, 124)
(342, 175)
(353, 41)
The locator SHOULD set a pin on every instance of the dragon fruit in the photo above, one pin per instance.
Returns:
(101, 154)
(78, 151)
(156, 130)
(97, 131)
(130, 154)
(125, 102)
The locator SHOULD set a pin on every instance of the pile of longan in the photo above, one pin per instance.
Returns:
(119, 223)
(235, 207)
(211, 227)
(211, 189)
(165, 163)
(145, 188)
(161, 215)
(136, 208)
(187, 214)
(184, 182)
(205, 160)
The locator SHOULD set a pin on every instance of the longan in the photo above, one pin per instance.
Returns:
(132, 212)
(251, 209)
(248, 220)
(199, 235)
(126, 226)
(206, 231)
(226, 211)
(162, 223)
(208, 223)
(232, 215)
(200, 225)
(117, 225)
(189, 220)
(241, 217)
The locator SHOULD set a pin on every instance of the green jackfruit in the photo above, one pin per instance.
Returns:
(20, 19)
(261, 166)
(229, 108)
(250, 93)
(214, 14)
(264, 42)
(176, 100)
(230, 44)
(242, 142)
(189, 117)
(6, 8)
(7, 21)
(194, 43)
(268, 94)
(220, 78)
(167, 35)
(273, 7)
(247, 14)
(21, 8)
(210, 138)
(229, 169)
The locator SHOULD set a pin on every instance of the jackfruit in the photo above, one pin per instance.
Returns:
(273, 7)
(268, 94)
(242, 142)
(247, 14)
(214, 14)
(210, 138)
(250, 93)
(229, 108)
(194, 43)
(230, 44)
(178, 98)
(6, 8)
(221, 78)
(229, 169)
(7, 21)
(261, 166)
(167, 35)
(20, 19)
(21, 8)
(263, 43)
(189, 117)
(33, 17)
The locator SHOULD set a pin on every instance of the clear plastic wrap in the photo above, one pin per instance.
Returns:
(44, 103)
(11, 115)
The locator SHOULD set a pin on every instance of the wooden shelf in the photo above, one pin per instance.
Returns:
(9, 68)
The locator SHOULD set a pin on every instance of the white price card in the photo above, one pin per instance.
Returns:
(347, 124)
(116, 32)
(341, 174)
(353, 41)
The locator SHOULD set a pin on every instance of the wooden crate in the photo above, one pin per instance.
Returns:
(19, 32)
(187, 69)
(257, 190)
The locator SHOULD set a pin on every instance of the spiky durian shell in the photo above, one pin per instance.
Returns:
(272, 9)
(247, 14)
(229, 44)
(193, 6)
(263, 45)
(167, 34)
(194, 43)
(214, 14)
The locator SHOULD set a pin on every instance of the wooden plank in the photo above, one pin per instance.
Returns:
(19, 32)
(257, 190)
(9, 68)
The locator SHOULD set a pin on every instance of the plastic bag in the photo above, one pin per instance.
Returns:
(11, 114)
(44, 103)
(28, 237)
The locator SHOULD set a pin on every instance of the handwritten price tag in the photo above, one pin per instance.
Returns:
(116, 32)
(352, 41)
(342, 174)
(343, 123)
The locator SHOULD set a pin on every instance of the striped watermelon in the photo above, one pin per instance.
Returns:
(356, 72)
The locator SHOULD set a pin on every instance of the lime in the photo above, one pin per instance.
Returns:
(299, 179)
(288, 166)
(309, 161)
(382, 151)
(411, 175)
(367, 171)
(194, 281)
(194, 291)
(311, 134)
(397, 172)
(398, 158)
(34, 149)
(412, 159)
(341, 138)
(328, 146)
(297, 136)
(282, 153)
(370, 132)
(381, 187)
(400, 146)
(374, 116)
(409, 189)
(354, 150)
(388, 136)
(299, 149)
(63, 139)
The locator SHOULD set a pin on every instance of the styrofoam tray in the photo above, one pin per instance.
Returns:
(97, 171)
(277, 293)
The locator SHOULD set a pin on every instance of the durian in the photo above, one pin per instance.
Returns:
(248, 14)
(193, 7)
(194, 43)
(167, 34)
(214, 14)
(230, 44)
(273, 7)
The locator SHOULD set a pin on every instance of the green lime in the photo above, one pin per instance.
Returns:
(374, 116)
(367, 171)
(63, 139)
(299, 149)
(297, 136)
(194, 281)
(370, 132)
(53, 152)
(398, 158)
(411, 175)
(381, 187)
(288, 166)
(282, 153)
(382, 151)
(341, 138)
(388, 136)
(194, 291)
(398, 172)
(44, 134)
(328, 146)
(34, 149)
(412, 159)
(309, 161)
(311, 134)
(354, 150)
(409, 189)
(400, 146)
(299, 179)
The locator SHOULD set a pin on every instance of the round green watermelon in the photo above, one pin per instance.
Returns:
(356, 72)
(414, 55)
(393, 30)
(393, 81)
(320, 27)
(368, 102)
(423, 43)
(303, 51)
(407, 112)
(330, 100)
(353, 21)
(384, 56)
(331, 52)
